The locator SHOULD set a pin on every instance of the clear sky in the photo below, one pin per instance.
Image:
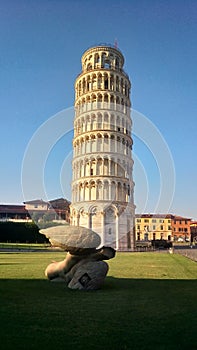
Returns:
(41, 44)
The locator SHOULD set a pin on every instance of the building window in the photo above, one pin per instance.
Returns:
(138, 220)
(154, 235)
(185, 229)
(154, 220)
(138, 236)
(138, 227)
(161, 235)
(154, 227)
(169, 227)
(162, 221)
(161, 227)
(146, 220)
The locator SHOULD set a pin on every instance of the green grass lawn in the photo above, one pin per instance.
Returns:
(148, 301)
(24, 246)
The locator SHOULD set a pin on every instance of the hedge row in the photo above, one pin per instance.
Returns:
(21, 233)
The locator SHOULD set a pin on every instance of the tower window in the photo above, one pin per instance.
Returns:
(117, 63)
(107, 65)
(89, 66)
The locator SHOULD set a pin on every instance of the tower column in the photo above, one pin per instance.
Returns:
(110, 191)
(117, 230)
(102, 228)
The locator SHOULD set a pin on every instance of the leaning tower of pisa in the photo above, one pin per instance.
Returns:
(102, 183)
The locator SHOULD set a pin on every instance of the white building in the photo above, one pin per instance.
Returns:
(102, 183)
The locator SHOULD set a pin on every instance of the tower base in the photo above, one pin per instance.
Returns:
(114, 223)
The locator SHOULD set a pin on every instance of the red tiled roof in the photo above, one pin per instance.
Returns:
(164, 216)
(176, 217)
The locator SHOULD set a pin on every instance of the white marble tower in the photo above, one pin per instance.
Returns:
(102, 183)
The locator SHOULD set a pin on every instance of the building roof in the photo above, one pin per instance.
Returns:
(193, 223)
(55, 204)
(149, 216)
(164, 216)
(60, 203)
(10, 208)
(36, 201)
(176, 217)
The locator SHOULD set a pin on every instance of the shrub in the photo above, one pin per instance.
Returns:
(21, 233)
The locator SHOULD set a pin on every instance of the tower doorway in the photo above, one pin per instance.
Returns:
(110, 227)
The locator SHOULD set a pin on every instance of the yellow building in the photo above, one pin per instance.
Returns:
(153, 226)
(193, 228)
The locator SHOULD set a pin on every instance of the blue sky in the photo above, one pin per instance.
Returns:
(41, 46)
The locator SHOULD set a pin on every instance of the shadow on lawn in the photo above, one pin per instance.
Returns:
(172, 289)
(110, 282)
(124, 314)
(130, 283)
